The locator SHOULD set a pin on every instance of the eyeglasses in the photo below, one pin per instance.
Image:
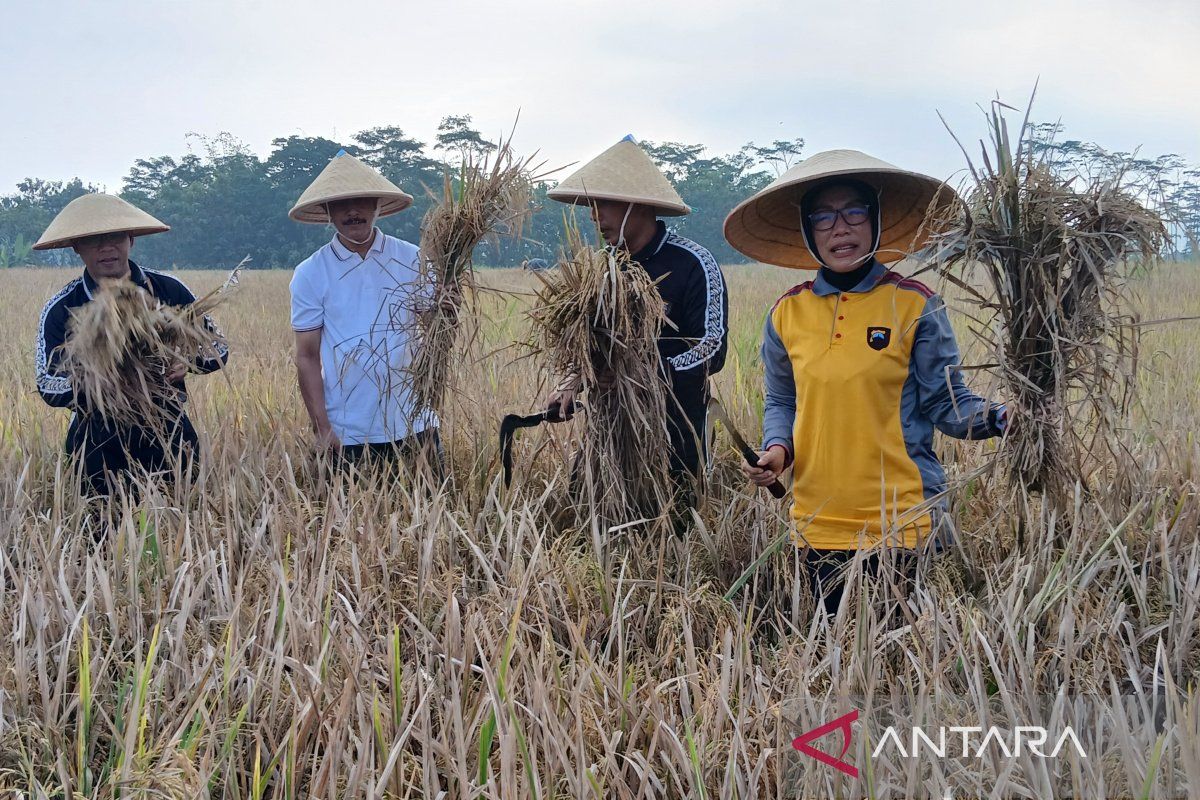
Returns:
(853, 215)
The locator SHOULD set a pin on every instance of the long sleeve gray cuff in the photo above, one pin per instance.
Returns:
(943, 396)
(779, 391)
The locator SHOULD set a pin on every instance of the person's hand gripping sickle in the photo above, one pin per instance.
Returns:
(771, 464)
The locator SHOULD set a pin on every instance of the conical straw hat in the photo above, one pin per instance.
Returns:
(767, 227)
(623, 172)
(343, 178)
(95, 214)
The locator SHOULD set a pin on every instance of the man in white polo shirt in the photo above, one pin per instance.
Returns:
(354, 312)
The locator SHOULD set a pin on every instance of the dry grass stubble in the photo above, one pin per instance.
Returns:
(265, 634)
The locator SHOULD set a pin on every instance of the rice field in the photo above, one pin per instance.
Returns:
(276, 633)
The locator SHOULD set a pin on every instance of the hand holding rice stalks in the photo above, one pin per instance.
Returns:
(598, 317)
(123, 345)
(488, 197)
(1053, 252)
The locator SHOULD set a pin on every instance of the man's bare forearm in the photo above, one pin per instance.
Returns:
(312, 391)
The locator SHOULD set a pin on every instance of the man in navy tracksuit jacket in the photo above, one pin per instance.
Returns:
(100, 228)
(694, 343)
(627, 193)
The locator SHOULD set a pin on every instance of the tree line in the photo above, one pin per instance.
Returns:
(224, 202)
(1167, 183)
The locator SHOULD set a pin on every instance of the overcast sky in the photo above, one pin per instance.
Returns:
(91, 86)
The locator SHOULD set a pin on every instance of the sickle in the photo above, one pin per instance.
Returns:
(514, 422)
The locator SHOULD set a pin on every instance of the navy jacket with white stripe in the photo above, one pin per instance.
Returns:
(53, 385)
(693, 346)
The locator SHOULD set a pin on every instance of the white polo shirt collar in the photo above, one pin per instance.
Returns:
(344, 253)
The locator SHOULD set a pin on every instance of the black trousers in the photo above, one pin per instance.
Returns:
(687, 425)
(827, 571)
(108, 454)
(389, 455)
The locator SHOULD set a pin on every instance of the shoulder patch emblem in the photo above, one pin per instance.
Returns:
(878, 338)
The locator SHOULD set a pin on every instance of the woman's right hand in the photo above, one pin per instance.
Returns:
(771, 464)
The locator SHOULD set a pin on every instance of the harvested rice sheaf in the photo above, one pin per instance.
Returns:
(1053, 252)
(598, 318)
(122, 345)
(489, 196)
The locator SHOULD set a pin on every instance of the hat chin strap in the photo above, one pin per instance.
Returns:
(621, 232)
(370, 236)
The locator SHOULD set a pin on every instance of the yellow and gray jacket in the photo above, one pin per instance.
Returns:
(855, 384)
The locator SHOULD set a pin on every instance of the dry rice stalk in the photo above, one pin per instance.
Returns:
(122, 344)
(487, 197)
(1054, 252)
(600, 311)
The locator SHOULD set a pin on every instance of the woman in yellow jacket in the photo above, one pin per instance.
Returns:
(860, 363)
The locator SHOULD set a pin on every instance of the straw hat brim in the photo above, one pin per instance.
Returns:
(347, 178)
(767, 227)
(623, 173)
(314, 211)
(661, 208)
(97, 214)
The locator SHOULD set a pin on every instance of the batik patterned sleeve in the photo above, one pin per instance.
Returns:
(707, 314)
(53, 384)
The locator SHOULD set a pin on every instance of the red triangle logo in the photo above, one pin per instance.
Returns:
(842, 724)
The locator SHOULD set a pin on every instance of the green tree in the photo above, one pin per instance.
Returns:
(389, 150)
(455, 135)
(24, 215)
(712, 187)
(1166, 183)
(673, 158)
(781, 154)
(16, 253)
(402, 160)
(224, 202)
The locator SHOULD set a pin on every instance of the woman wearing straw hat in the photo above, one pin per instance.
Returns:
(861, 364)
(626, 194)
(101, 229)
(354, 307)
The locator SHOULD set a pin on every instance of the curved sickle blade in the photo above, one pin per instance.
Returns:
(714, 405)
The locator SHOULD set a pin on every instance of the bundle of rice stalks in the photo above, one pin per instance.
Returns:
(597, 318)
(489, 196)
(122, 345)
(1053, 251)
